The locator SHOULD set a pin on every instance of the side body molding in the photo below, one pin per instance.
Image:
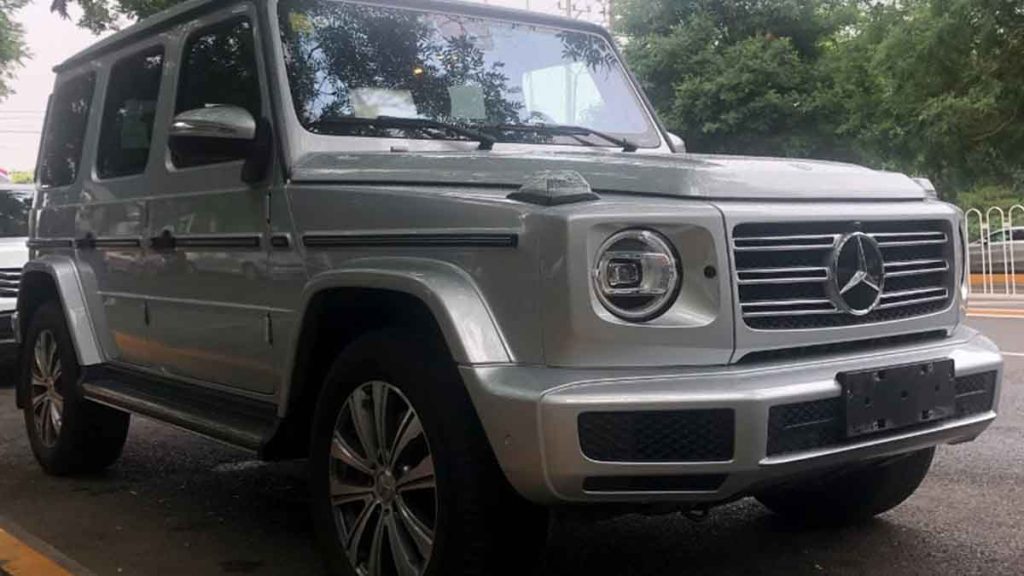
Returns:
(80, 299)
(465, 320)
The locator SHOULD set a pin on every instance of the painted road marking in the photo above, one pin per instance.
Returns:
(17, 558)
(1014, 354)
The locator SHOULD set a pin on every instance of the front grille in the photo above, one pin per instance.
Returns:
(658, 436)
(10, 278)
(783, 272)
(819, 423)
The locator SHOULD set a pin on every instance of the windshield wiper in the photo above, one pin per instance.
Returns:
(486, 141)
(568, 130)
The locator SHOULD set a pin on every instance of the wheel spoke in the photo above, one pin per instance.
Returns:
(344, 493)
(402, 553)
(422, 536)
(37, 402)
(362, 420)
(355, 535)
(409, 430)
(57, 372)
(375, 565)
(340, 450)
(418, 477)
(380, 395)
(39, 357)
(55, 418)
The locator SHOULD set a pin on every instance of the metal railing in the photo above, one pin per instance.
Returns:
(995, 277)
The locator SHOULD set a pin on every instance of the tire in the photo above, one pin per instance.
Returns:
(479, 524)
(68, 434)
(853, 495)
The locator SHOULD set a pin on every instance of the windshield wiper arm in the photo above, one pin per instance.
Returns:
(486, 141)
(570, 130)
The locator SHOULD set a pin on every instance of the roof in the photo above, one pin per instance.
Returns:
(187, 10)
(17, 188)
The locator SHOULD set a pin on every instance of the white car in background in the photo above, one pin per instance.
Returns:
(15, 205)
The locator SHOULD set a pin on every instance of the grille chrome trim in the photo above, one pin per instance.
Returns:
(783, 279)
(10, 280)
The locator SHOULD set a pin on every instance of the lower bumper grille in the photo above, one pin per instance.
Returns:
(819, 423)
(658, 436)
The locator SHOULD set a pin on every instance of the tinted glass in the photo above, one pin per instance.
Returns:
(1018, 235)
(65, 131)
(14, 209)
(352, 61)
(220, 68)
(128, 115)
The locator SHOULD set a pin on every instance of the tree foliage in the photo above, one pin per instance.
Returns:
(103, 15)
(12, 43)
(931, 87)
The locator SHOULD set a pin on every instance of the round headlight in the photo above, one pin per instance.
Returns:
(637, 275)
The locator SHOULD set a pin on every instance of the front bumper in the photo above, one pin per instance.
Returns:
(531, 416)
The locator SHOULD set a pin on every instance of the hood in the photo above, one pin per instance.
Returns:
(683, 175)
(13, 252)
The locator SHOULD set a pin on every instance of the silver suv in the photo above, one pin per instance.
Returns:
(447, 252)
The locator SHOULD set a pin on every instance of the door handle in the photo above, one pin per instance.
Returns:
(164, 242)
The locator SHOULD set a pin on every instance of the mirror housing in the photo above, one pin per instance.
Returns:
(219, 121)
(677, 143)
(222, 133)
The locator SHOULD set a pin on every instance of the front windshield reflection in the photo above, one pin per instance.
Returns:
(352, 61)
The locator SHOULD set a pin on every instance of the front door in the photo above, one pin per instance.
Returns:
(208, 309)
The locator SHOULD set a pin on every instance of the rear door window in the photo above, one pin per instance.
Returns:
(128, 114)
(65, 131)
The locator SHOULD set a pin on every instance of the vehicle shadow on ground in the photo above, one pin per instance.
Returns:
(741, 538)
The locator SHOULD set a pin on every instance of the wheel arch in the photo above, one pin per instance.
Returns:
(436, 298)
(59, 278)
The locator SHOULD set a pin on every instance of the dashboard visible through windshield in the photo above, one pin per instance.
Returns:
(361, 70)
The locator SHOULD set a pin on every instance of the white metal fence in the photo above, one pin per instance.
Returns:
(993, 253)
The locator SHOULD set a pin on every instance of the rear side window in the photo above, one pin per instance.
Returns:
(218, 67)
(128, 115)
(65, 131)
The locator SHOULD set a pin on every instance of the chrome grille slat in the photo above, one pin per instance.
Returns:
(783, 271)
(10, 279)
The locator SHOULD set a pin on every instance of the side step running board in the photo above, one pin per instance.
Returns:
(219, 415)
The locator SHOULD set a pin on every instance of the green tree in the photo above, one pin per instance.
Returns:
(102, 15)
(12, 44)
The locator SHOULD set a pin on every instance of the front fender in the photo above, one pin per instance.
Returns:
(79, 296)
(469, 328)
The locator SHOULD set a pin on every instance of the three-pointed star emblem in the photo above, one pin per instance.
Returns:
(858, 274)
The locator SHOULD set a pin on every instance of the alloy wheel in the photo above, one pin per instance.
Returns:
(47, 401)
(382, 485)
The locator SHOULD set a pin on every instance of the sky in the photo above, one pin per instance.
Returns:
(51, 40)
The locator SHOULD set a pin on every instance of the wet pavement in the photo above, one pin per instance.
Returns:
(180, 504)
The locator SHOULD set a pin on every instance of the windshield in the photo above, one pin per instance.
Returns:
(515, 82)
(14, 209)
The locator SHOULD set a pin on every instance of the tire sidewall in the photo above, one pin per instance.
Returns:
(50, 317)
(399, 361)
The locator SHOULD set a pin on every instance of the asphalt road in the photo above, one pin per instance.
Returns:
(179, 504)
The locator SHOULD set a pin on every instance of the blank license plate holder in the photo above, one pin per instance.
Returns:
(885, 399)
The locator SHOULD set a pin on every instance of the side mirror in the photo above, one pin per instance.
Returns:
(678, 145)
(220, 122)
(221, 133)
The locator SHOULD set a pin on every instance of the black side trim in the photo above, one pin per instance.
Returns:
(682, 483)
(411, 240)
(220, 415)
(167, 241)
(50, 243)
(91, 242)
(219, 241)
(281, 241)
